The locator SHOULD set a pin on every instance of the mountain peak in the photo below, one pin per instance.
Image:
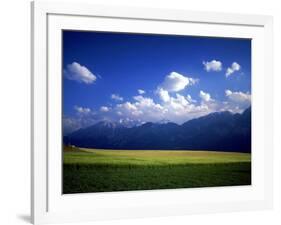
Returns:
(220, 131)
(164, 121)
(108, 124)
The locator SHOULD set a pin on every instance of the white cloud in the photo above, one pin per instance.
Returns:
(170, 105)
(175, 82)
(163, 94)
(181, 108)
(84, 117)
(213, 65)
(205, 96)
(178, 103)
(239, 99)
(70, 124)
(234, 67)
(190, 99)
(173, 107)
(142, 109)
(104, 109)
(80, 109)
(79, 73)
(117, 97)
(228, 92)
(141, 92)
(176, 108)
(129, 106)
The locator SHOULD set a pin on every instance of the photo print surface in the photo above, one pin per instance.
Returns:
(153, 111)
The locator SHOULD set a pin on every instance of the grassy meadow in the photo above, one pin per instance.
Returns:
(97, 170)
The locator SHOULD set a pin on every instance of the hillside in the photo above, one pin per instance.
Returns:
(220, 131)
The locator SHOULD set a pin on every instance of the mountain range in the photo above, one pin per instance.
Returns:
(219, 131)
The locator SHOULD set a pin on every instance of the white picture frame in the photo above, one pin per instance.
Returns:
(48, 205)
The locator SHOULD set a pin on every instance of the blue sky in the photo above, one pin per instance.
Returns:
(140, 77)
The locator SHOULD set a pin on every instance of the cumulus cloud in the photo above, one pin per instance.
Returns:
(141, 92)
(116, 97)
(213, 65)
(205, 96)
(177, 108)
(236, 102)
(83, 117)
(163, 94)
(143, 108)
(181, 108)
(190, 99)
(179, 102)
(240, 98)
(79, 73)
(169, 105)
(175, 82)
(234, 67)
(104, 109)
(129, 106)
(70, 124)
(172, 107)
(80, 109)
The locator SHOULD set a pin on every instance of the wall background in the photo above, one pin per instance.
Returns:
(15, 110)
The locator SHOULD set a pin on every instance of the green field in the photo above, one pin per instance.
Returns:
(93, 170)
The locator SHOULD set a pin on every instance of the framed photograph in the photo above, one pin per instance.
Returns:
(142, 112)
